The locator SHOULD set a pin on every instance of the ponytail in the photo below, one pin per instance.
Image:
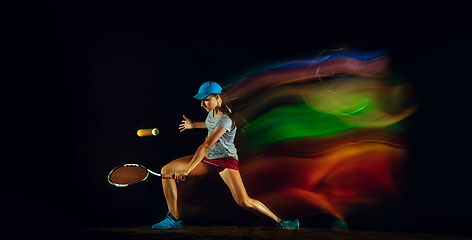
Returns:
(226, 107)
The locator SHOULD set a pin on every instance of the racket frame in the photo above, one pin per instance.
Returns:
(131, 165)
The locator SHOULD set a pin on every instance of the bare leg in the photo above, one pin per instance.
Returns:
(233, 179)
(170, 187)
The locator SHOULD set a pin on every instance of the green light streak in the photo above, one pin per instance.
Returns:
(292, 122)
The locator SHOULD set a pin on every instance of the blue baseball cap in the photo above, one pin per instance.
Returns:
(207, 89)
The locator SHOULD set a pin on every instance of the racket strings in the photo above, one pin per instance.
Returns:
(128, 175)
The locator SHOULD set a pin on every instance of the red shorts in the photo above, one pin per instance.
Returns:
(222, 163)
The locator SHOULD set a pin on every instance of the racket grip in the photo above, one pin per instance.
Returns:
(167, 176)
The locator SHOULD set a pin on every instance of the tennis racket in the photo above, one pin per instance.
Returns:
(128, 174)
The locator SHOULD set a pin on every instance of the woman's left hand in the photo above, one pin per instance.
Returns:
(180, 175)
(186, 124)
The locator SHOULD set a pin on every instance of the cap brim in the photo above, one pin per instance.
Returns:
(201, 96)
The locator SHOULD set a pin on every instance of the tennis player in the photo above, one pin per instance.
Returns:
(218, 152)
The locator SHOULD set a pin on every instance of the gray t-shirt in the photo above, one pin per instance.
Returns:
(224, 147)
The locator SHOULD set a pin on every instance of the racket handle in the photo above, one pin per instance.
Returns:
(167, 176)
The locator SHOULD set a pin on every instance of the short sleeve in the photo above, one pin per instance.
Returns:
(225, 122)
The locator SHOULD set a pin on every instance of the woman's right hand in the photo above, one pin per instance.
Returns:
(180, 176)
(186, 124)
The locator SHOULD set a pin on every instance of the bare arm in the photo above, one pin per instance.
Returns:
(188, 124)
(201, 152)
(199, 125)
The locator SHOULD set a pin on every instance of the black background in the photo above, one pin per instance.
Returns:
(85, 77)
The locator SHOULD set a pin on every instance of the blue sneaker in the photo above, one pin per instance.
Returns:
(290, 224)
(339, 225)
(168, 223)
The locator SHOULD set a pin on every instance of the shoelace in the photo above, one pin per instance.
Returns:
(282, 224)
(168, 222)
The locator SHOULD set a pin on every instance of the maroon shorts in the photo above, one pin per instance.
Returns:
(222, 163)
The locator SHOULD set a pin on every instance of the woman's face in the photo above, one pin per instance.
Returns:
(210, 102)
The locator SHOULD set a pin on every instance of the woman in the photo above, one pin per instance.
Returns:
(218, 151)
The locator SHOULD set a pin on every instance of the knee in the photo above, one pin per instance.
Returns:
(166, 169)
(176, 165)
(245, 203)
